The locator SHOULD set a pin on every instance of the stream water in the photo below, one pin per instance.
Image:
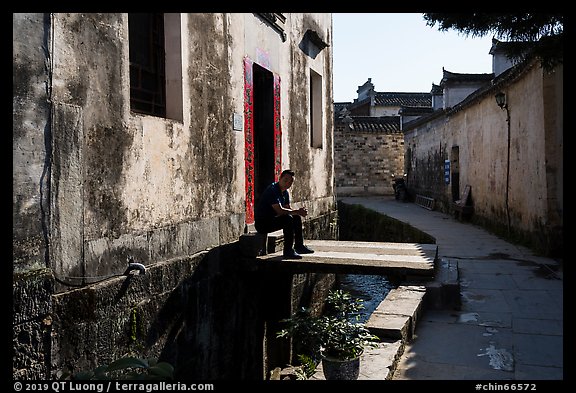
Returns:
(372, 289)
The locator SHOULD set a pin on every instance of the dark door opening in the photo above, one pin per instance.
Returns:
(263, 116)
(455, 168)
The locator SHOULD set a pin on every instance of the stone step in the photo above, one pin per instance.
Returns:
(393, 321)
(253, 244)
(396, 316)
(444, 292)
(275, 242)
(398, 261)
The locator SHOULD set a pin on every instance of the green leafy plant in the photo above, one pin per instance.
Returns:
(337, 333)
(307, 367)
(127, 368)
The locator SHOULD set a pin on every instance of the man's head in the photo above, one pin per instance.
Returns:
(286, 179)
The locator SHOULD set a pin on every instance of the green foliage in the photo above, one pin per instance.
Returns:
(307, 368)
(133, 326)
(538, 34)
(336, 334)
(516, 26)
(127, 368)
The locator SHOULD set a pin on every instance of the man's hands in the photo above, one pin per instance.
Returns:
(303, 212)
(281, 210)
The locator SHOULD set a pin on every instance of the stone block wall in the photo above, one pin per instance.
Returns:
(213, 315)
(365, 161)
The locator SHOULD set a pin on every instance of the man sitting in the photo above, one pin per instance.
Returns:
(274, 212)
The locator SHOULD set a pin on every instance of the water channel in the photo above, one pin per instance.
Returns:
(372, 289)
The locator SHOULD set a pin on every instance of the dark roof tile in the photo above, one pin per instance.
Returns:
(383, 124)
(455, 77)
(403, 99)
(415, 110)
(436, 90)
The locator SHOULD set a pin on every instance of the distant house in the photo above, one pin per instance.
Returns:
(510, 156)
(376, 104)
(500, 60)
(456, 87)
(363, 163)
(510, 152)
(368, 140)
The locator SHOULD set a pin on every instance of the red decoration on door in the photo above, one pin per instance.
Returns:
(277, 128)
(249, 138)
(249, 134)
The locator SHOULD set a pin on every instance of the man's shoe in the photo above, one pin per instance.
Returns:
(291, 254)
(303, 250)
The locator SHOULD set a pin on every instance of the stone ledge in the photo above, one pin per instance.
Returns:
(253, 244)
(396, 316)
(275, 241)
(444, 291)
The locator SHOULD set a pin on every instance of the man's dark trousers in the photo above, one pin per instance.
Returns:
(290, 224)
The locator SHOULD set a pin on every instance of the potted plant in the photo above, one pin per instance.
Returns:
(336, 338)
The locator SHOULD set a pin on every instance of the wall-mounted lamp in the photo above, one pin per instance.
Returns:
(501, 100)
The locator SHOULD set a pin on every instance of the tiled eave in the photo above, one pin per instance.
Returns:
(490, 89)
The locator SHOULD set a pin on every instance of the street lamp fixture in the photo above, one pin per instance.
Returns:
(501, 100)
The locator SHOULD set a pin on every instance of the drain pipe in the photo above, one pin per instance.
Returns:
(502, 102)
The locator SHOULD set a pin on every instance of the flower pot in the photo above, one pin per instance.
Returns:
(341, 369)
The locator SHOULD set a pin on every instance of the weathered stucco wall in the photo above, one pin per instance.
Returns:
(377, 111)
(425, 161)
(457, 92)
(95, 183)
(314, 166)
(123, 181)
(31, 146)
(143, 184)
(479, 130)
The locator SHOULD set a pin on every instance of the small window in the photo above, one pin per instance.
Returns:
(316, 123)
(147, 64)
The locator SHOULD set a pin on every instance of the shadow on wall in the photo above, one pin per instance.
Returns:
(211, 324)
(358, 223)
(220, 323)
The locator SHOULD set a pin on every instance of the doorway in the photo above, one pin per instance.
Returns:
(455, 168)
(263, 131)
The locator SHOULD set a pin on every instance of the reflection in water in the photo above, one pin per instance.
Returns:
(372, 289)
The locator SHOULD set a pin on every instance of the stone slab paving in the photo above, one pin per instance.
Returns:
(332, 256)
(375, 363)
(510, 322)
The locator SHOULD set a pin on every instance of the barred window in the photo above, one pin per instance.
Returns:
(147, 64)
